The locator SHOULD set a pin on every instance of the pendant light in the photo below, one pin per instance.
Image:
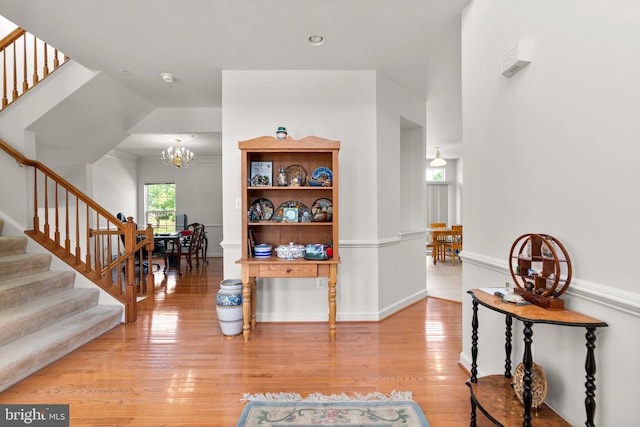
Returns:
(438, 161)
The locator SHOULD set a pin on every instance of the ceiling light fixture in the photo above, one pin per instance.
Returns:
(316, 40)
(177, 156)
(168, 77)
(438, 161)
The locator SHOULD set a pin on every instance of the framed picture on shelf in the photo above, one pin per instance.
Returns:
(290, 215)
(261, 174)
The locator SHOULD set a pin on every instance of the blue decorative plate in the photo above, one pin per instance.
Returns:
(321, 177)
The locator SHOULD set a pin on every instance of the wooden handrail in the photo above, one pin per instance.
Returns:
(96, 243)
(12, 37)
(18, 61)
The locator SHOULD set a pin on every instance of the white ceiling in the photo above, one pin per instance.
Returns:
(415, 42)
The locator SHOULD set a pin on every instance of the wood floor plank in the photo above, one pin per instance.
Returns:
(173, 367)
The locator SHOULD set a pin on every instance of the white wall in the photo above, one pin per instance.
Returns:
(115, 185)
(553, 150)
(338, 105)
(401, 162)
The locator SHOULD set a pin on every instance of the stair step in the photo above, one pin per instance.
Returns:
(21, 320)
(12, 245)
(33, 352)
(19, 265)
(25, 288)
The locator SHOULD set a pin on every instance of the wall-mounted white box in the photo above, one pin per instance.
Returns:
(517, 58)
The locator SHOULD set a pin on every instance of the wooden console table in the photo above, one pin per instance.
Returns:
(493, 394)
(253, 268)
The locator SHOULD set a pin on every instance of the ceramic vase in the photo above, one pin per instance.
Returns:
(229, 306)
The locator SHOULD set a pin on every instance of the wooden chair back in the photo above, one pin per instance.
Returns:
(434, 225)
(454, 246)
(190, 245)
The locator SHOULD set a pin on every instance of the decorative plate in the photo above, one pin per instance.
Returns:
(260, 210)
(296, 175)
(322, 210)
(279, 214)
(321, 177)
(538, 384)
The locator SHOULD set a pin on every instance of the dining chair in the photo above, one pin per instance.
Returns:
(433, 225)
(190, 244)
(440, 239)
(201, 242)
(453, 246)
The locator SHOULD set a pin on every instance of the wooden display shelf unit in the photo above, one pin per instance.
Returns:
(541, 269)
(493, 394)
(309, 153)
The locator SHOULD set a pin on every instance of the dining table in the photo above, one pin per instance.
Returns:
(438, 237)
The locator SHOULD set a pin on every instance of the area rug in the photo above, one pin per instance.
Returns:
(291, 410)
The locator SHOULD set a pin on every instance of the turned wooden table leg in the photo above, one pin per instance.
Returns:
(507, 345)
(474, 343)
(590, 368)
(246, 304)
(254, 299)
(527, 395)
(333, 274)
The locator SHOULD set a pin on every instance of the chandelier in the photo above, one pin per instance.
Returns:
(177, 156)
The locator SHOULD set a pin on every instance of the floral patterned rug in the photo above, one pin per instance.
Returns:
(291, 410)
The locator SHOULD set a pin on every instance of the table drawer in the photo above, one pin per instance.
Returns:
(288, 270)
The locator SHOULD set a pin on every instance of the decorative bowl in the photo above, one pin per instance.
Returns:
(290, 251)
(262, 250)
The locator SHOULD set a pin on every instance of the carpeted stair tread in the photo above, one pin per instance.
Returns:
(18, 265)
(20, 289)
(21, 320)
(12, 245)
(33, 352)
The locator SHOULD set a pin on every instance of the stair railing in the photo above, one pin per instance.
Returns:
(113, 254)
(24, 55)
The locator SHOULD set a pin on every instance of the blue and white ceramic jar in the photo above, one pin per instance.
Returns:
(229, 306)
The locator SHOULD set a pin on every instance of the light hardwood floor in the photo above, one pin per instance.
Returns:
(444, 280)
(173, 367)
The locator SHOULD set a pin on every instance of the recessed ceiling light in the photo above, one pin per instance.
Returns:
(168, 77)
(316, 40)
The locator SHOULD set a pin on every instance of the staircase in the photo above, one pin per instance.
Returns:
(43, 316)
